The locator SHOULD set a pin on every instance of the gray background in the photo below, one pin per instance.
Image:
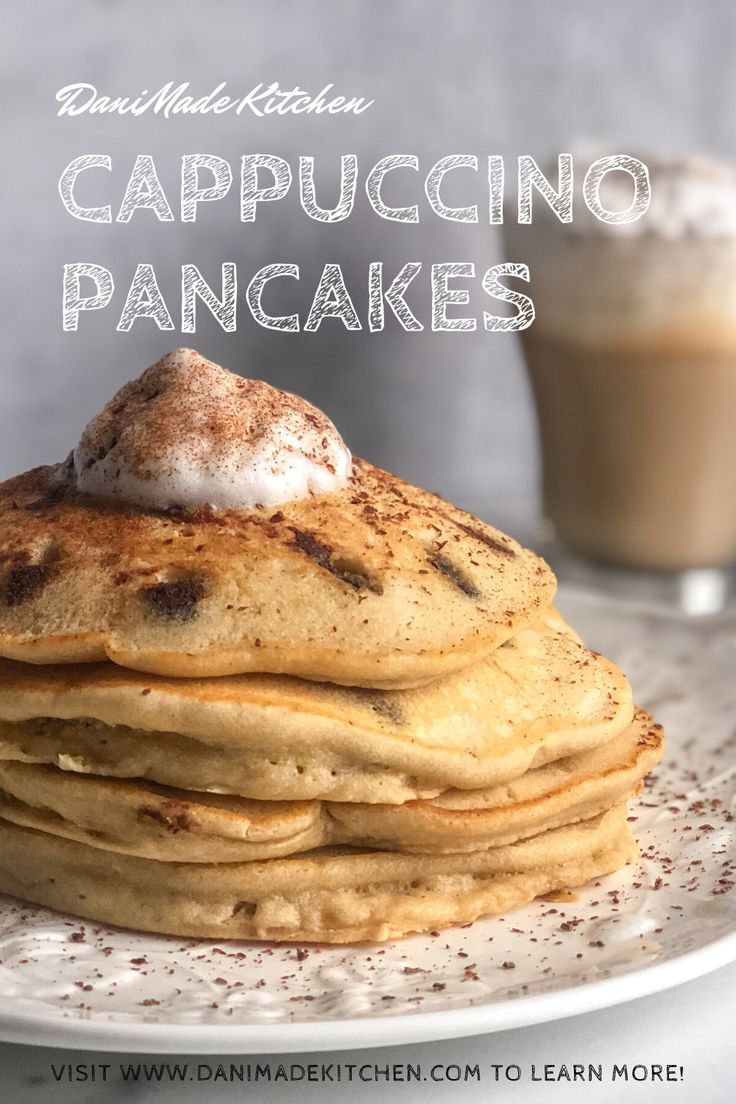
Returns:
(450, 411)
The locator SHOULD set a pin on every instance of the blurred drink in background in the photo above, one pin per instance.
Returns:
(632, 358)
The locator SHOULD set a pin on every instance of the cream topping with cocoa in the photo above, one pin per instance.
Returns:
(190, 434)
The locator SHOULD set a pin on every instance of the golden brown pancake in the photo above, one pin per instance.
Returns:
(564, 791)
(352, 716)
(157, 822)
(381, 585)
(537, 698)
(331, 895)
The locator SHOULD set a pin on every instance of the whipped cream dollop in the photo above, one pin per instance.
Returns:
(190, 434)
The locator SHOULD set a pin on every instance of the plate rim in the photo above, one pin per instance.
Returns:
(350, 1034)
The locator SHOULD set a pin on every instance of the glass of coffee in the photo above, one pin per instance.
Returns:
(632, 358)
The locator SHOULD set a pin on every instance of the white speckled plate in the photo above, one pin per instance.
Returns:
(668, 918)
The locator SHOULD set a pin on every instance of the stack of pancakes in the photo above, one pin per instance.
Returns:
(351, 717)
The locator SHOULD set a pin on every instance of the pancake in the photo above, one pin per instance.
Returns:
(330, 895)
(380, 585)
(565, 791)
(349, 717)
(539, 697)
(156, 822)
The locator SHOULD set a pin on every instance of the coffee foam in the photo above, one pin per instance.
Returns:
(690, 198)
(666, 281)
(190, 434)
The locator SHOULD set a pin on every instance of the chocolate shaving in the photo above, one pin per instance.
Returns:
(174, 821)
(383, 704)
(452, 572)
(322, 555)
(25, 582)
(484, 538)
(244, 908)
(175, 601)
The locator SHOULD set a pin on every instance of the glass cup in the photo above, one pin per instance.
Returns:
(632, 359)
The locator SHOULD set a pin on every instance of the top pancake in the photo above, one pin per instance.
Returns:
(380, 585)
